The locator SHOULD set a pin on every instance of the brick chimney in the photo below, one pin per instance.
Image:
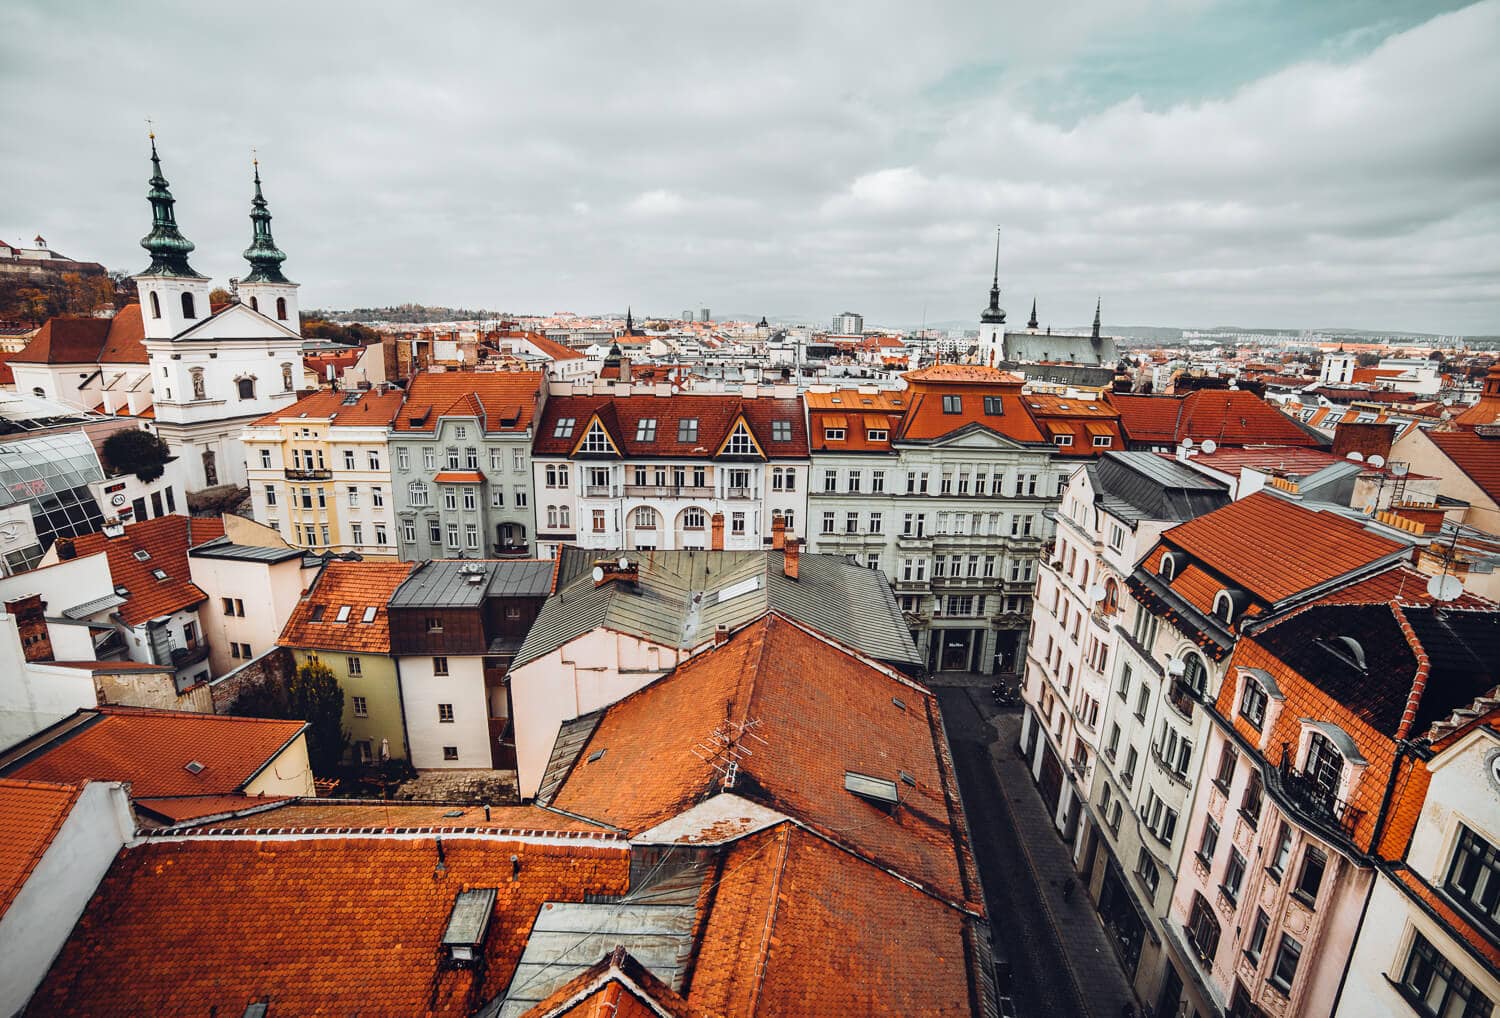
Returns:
(1369, 439)
(721, 634)
(789, 556)
(1416, 517)
(612, 571)
(778, 533)
(717, 525)
(31, 624)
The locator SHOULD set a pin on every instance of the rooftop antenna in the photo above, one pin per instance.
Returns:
(725, 747)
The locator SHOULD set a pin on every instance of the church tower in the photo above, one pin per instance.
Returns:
(265, 289)
(173, 296)
(992, 319)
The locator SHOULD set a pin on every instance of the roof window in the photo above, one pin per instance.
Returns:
(369, 615)
(564, 427)
(467, 924)
(645, 429)
(193, 767)
(687, 429)
(899, 703)
(121, 590)
(1348, 648)
(875, 790)
(1167, 569)
(953, 404)
(317, 613)
(343, 615)
(160, 574)
(597, 755)
(142, 555)
(994, 406)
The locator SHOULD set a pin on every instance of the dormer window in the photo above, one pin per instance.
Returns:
(833, 434)
(1062, 440)
(1227, 605)
(188, 309)
(953, 404)
(1325, 764)
(878, 434)
(468, 923)
(740, 442)
(1253, 702)
(597, 440)
(1167, 568)
(994, 406)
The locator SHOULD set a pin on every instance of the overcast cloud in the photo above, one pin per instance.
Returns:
(1192, 162)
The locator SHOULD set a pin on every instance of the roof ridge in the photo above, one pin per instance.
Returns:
(784, 836)
(1419, 679)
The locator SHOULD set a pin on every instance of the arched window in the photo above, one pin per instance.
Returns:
(645, 518)
(187, 306)
(1168, 567)
(1194, 672)
(416, 493)
(565, 516)
(1224, 607)
(693, 519)
(1111, 596)
(210, 469)
(246, 387)
(198, 388)
(281, 308)
(286, 376)
(254, 304)
(552, 516)
(155, 305)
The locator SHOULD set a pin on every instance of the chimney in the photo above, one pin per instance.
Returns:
(1415, 517)
(717, 523)
(778, 533)
(789, 555)
(31, 626)
(721, 634)
(612, 570)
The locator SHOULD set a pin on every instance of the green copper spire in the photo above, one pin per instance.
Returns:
(168, 248)
(264, 256)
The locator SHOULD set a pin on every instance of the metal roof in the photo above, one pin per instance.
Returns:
(1145, 485)
(94, 607)
(462, 583)
(681, 597)
(224, 548)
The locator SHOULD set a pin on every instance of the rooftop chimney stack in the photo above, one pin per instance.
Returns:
(721, 635)
(717, 524)
(778, 533)
(612, 570)
(789, 556)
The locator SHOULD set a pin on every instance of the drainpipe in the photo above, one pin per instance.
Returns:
(401, 704)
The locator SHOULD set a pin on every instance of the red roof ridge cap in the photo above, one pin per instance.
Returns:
(1419, 680)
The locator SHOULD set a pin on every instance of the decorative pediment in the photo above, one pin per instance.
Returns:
(595, 440)
(236, 322)
(740, 442)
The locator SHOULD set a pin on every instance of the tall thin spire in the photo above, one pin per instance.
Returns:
(264, 256)
(1032, 325)
(994, 314)
(168, 248)
(629, 323)
(1097, 305)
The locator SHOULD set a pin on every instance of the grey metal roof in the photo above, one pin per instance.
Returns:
(1144, 485)
(681, 597)
(223, 547)
(463, 583)
(568, 938)
(94, 607)
(571, 738)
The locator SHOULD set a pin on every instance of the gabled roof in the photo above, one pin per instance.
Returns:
(679, 599)
(164, 543)
(1148, 486)
(933, 390)
(1227, 416)
(1275, 549)
(65, 340)
(618, 986)
(1476, 454)
(31, 813)
(373, 408)
(320, 925)
(151, 749)
(357, 586)
(505, 401)
(262, 817)
(715, 416)
(815, 713)
(548, 347)
(125, 343)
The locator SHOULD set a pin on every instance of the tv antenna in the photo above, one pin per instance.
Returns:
(726, 746)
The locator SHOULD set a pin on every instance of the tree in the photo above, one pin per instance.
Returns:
(263, 699)
(1367, 360)
(218, 295)
(314, 696)
(133, 451)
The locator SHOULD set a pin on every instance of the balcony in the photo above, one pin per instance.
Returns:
(1304, 795)
(1182, 697)
(913, 540)
(308, 474)
(186, 657)
(738, 493)
(966, 582)
(669, 490)
(596, 490)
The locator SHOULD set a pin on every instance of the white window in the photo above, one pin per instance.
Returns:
(445, 713)
(374, 460)
(409, 532)
(645, 429)
(450, 498)
(453, 535)
(356, 533)
(429, 458)
(564, 427)
(377, 496)
(833, 434)
(265, 457)
(1062, 440)
(348, 459)
(403, 459)
(270, 494)
(597, 440)
(518, 460)
(740, 442)
(471, 501)
(471, 536)
(361, 705)
(353, 496)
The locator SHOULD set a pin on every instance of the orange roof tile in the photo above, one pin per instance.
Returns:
(1477, 455)
(506, 400)
(1486, 945)
(31, 812)
(458, 477)
(126, 340)
(164, 541)
(616, 987)
(175, 809)
(716, 416)
(321, 926)
(845, 721)
(962, 373)
(359, 586)
(933, 390)
(860, 414)
(65, 340)
(151, 750)
(352, 816)
(374, 408)
(1275, 549)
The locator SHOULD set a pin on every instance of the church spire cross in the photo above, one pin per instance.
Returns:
(994, 314)
(168, 248)
(1032, 323)
(264, 256)
(1098, 303)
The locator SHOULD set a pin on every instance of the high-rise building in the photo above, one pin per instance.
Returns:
(847, 323)
(703, 315)
(687, 316)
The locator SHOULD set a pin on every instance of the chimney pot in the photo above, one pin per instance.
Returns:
(789, 557)
(778, 533)
(721, 634)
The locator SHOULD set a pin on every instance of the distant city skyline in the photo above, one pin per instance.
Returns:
(1276, 165)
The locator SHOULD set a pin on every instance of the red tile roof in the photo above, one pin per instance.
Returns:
(963, 374)
(616, 987)
(374, 408)
(928, 418)
(1403, 584)
(857, 413)
(165, 541)
(548, 347)
(505, 400)
(1084, 419)
(348, 816)
(1148, 419)
(175, 809)
(126, 341)
(151, 750)
(716, 416)
(458, 477)
(31, 812)
(320, 926)
(846, 720)
(1275, 549)
(65, 340)
(1487, 409)
(1227, 416)
(1475, 454)
(357, 585)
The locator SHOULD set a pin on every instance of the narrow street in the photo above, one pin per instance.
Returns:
(1029, 919)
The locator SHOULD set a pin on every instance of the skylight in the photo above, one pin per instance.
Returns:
(317, 613)
(645, 429)
(343, 615)
(193, 767)
(468, 923)
(564, 427)
(596, 755)
(142, 555)
(160, 574)
(369, 615)
(687, 429)
(876, 790)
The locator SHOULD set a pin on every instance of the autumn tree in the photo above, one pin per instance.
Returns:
(314, 695)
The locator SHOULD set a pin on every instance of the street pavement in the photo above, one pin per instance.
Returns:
(1059, 954)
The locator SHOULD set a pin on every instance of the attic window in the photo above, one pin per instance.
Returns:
(645, 429)
(953, 404)
(121, 590)
(160, 574)
(564, 427)
(908, 779)
(899, 703)
(193, 767)
(343, 615)
(781, 431)
(687, 429)
(317, 613)
(1167, 569)
(597, 755)
(142, 555)
(468, 923)
(994, 406)
(369, 615)
(1348, 648)
(875, 790)
(1224, 607)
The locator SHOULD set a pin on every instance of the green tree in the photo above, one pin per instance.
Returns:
(314, 695)
(137, 452)
(264, 699)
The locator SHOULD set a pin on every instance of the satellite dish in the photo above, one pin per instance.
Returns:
(1355, 455)
(1444, 587)
(598, 574)
(1377, 460)
(1096, 593)
(1398, 469)
(624, 562)
(1187, 443)
(1209, 446)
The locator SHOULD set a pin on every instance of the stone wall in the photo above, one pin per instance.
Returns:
(275, 664)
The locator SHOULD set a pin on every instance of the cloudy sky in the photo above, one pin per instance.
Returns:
(1194, 162)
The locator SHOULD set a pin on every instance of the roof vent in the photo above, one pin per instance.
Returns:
(875, 790)
(597, 755)
(468, 924)
(193, 767)
(256, 1009)
(121, 590)
(898, 702)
